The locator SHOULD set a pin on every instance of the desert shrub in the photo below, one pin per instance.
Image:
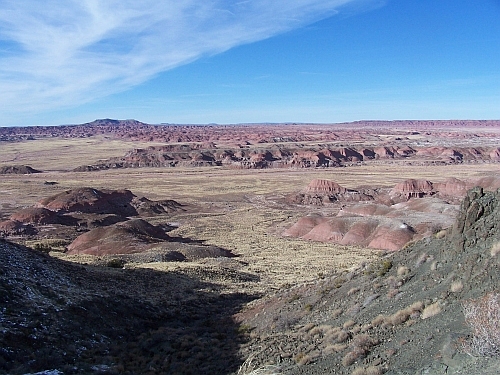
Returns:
(363, 342)
(392, 282)
(431, 310)
(483, 316)
(352, 291)
(336, 313)
(351, 357)
(440, 234)
(43, 247)
(244, 329)
(399, 317)
(495, 249)
(115, 263)
(349, 324)
(338, 282)
(370, 370)
(391, 293)
(378, 320)
(342, 336)
(373, 370)
(308, 307)
(379, 268)
(456, 286)
(307, 327)
(335, 348)
(358, 371)
(403, 271)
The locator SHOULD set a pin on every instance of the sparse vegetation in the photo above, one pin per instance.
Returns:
(431, 310)
(483, 316)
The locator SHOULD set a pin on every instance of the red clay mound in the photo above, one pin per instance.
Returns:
(359, 232)
(89, 200)
(304, 226)
(390, 237)
(133, 236)
(36, 215)
(365, 209)
(328, 231)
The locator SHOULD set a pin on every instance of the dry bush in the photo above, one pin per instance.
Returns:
(391, 282)
(378, 320)
(440, 234)
(370, 370)
(352, 357)
(399, 317)
(363, 342)
(495, 249)
(456, 286)
(391, 293)
(483, 316)
(358, 371)
(349, 324)
(335, 348)
(373, 370)
(356, 329)
(366, 327)
(431, 310)
(342, 336)
(336, 313)
(307, 327)
(352, 291)
(403, 271)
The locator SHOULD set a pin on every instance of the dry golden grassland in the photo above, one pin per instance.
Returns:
(239, 210)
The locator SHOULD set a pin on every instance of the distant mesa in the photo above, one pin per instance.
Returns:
(413, 188)
(107, 122)
(324, 187)
(320, 192)
(18, 169)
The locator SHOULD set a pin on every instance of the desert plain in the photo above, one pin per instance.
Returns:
(250, 191)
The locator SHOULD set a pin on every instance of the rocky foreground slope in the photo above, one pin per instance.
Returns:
(403, 314)
(77, 319)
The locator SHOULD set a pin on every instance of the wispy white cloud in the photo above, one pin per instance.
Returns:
(63, 53)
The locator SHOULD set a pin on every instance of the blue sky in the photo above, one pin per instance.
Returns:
(219, 61)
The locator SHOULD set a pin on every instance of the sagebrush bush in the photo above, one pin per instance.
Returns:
(431, 310)
(495, 249)
(483, 316)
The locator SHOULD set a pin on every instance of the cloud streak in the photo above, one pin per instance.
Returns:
(57, 54)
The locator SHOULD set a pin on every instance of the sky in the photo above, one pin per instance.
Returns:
(249, 61)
